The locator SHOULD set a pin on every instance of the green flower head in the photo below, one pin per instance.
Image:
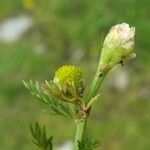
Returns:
(68, 74)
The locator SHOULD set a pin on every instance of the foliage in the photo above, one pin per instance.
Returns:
(62, 26)
(39, 137)
(88, 143)
(57, 106)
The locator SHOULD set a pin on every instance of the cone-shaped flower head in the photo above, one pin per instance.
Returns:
(69, 74)
(118, 45)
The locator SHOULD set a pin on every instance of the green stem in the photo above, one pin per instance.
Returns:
(97, 81)
(95, 86)
(80, 131)
(81, 125)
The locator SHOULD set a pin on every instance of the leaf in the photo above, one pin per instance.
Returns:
(88, 144)
(57, 107)
(39, 137)
(91, 102)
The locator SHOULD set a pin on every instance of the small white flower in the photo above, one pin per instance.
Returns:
(118, 45)
(123, 34)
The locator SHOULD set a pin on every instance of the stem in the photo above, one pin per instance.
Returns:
(81, 125)
(97, 81)
(80, 131)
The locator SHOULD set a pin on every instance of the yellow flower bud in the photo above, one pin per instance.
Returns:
(118, 45)
(68, 74)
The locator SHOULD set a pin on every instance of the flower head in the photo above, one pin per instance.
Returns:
(118, 45)
(69, 74)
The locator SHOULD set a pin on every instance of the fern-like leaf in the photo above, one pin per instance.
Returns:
(57, 107)
(39, 137)
(88, 144)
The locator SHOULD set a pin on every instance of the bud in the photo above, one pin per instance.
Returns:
(118, 45)
(69, 75)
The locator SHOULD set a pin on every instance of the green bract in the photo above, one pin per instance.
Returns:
(67, 85)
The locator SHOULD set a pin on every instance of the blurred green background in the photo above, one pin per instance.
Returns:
(61, 32)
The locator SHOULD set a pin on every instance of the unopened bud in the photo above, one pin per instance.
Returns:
(118, 45)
